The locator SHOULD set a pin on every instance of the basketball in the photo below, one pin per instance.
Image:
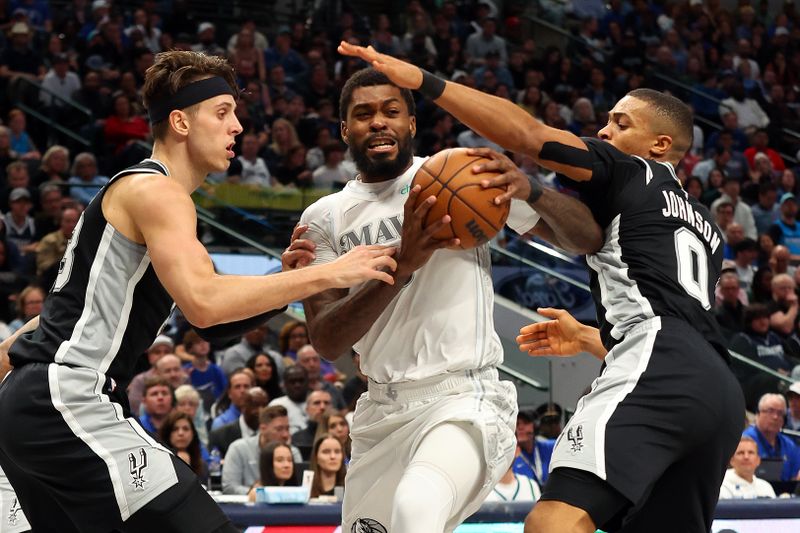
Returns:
(474, 217)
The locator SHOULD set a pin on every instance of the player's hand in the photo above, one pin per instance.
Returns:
(509, 177)
(363, 263)
(300, 252)
(399, 72)
(559, 336)
(418, 242)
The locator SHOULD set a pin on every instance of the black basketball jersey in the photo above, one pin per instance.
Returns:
(662, 254)
(106, 305)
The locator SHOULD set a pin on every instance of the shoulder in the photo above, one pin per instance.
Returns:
(323, 207)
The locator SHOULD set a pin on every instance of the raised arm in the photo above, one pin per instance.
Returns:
(337, 320)
(164, 215)
(518, 131)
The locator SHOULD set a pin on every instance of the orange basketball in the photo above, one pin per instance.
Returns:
(474, 217)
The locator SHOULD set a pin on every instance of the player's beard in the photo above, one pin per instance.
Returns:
(383, 168)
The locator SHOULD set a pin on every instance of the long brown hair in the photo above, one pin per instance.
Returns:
(316, 485)
(193, 449)
(266, 466)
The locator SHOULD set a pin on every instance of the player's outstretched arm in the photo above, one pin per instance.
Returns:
(337, 320)
(5, 364)
(164, 214)
(565, 221)
(497, 119)
(562, 336)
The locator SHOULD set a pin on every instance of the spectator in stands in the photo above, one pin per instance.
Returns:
(178, 432)
(763, 169)
(742, 214)
(515, 487)
(85, 182)
(382, 38)
(144, 30)
(295, 383)
(19, 59)
(244, 50)
(293, 170)
(94, 96)
(241, 460)
(54, 168)
(779, 262)
(331, 174)
(759, 342)
(786, 232)
(7, 155)
(787, 182)
(169, 367)
(51, 201)
(319, 88)
(734, 234)
(762, 286)
(534, 455)
(740, 481)
(766, 211)
(247, 424)
(254, 169)
(793, 399)
(21, 142)
(157, 403)
(20, 229)
(750, 114)
(321, 374)
(730, 126)
(230, 405)
(52, 246)
(276, 468)
(317, 403)
(60, 81)
(327, 462)
(206, 35)
(187, 400)
(282, 53)
(267, 376)
(29, 305)
(209, 379)
(723, 215)
(745, 255)
(284, 136)
(122, 127)
(729, 312)
(253, 342)
(761, 145)
(259, 41)
(713, 187)
(783, 308)
(479, 44)
(162, 345)
(336, 425)
(772, 444)
(292, 337)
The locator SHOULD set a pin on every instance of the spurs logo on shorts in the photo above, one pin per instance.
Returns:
(137, 469)
(13, 513)
(367, 525)
(575, 437)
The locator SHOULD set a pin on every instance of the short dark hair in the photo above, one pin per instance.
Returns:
(155, 381)
(369, 77)
(674, 112)
(754, 311)
(268, 414)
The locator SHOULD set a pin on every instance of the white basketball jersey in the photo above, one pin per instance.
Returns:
(442, 320)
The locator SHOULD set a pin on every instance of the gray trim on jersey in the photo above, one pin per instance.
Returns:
(107, 303)
(140, 469)
(582, 443)
(619, 294)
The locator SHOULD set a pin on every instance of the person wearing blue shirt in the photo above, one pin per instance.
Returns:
(84, 177)
(534, 452)
(157, 403)
(772, 444)
(205, 376)
(240, 382)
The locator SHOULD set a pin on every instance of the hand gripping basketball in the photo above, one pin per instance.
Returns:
(509, 176)
(560, 336)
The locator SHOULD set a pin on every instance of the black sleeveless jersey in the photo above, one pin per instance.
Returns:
(106, 305)
(662, 254)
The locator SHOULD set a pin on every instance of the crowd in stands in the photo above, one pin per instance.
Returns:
(267, 402)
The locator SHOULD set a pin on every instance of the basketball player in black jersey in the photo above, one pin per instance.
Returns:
(73, 454)
(647, 447)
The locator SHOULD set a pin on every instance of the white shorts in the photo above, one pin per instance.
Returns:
(12, 519)
(391, 420)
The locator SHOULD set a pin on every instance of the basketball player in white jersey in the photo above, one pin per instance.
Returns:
(76, 458)
(435, 431)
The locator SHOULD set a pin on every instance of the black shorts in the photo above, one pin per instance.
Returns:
(77, 464)
(658, 427)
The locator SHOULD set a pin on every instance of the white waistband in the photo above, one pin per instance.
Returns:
(407, 391)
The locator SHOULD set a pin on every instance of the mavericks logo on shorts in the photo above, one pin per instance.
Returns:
(575, 437)
(367, 525)
(137, 469)
(13, 513)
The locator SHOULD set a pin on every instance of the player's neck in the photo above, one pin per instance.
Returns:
(364, 177)
(180, 165)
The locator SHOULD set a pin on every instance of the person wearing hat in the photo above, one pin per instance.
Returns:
(59, 81)
(20, 228)
(206, 35)
(786, 230)
(160, 347)
(19, 59)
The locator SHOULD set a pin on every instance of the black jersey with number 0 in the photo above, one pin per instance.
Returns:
(662, 254)
(106, 305)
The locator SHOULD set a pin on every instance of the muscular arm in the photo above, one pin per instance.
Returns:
(5, 364)
(567, 223)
